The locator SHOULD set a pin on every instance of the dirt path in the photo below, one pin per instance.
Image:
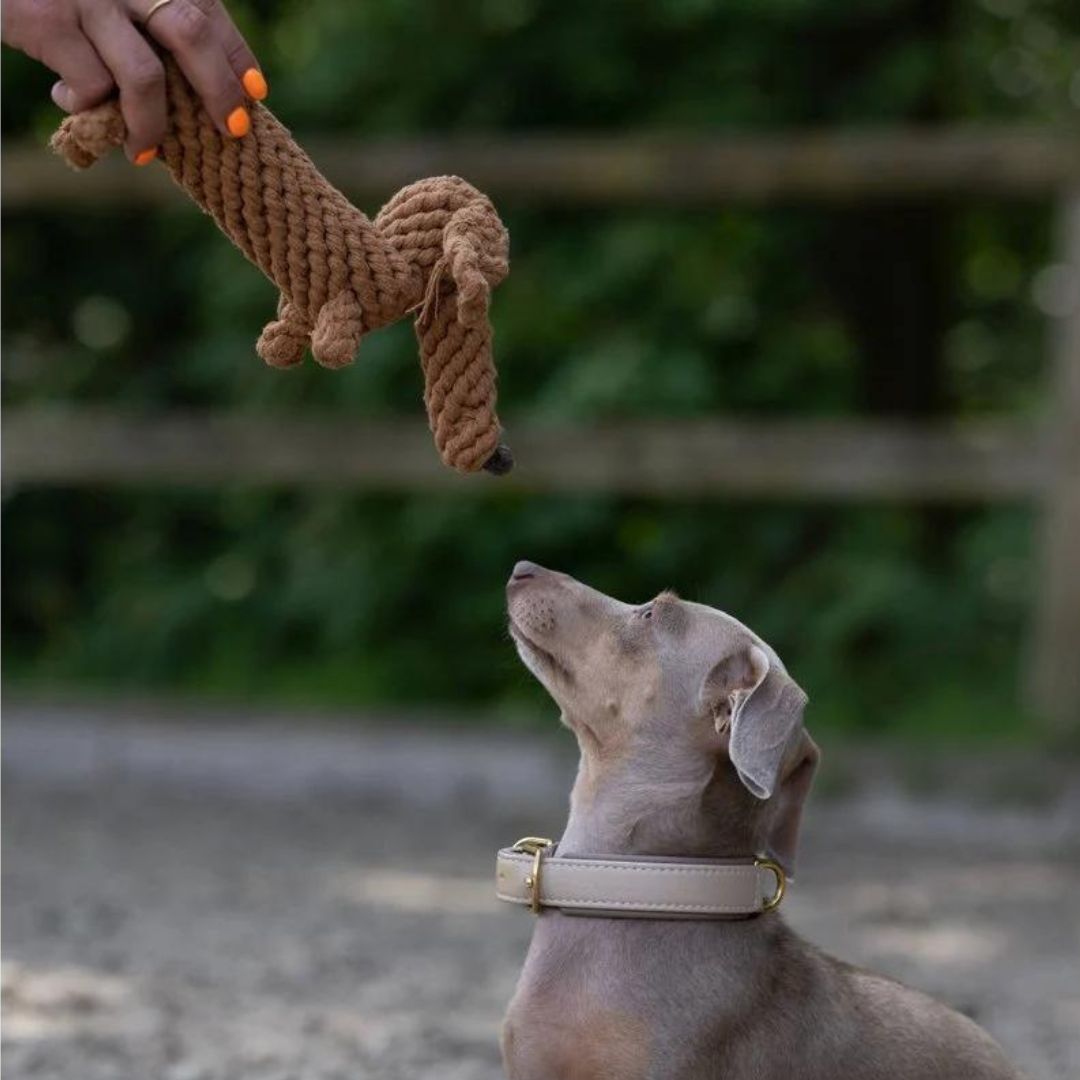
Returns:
(223, 901)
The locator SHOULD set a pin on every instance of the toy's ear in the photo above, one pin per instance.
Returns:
(764, 707)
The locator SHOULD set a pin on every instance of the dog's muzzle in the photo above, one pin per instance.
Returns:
(531, 874)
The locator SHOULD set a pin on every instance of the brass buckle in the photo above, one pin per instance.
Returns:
(534, 846)
(781, 883)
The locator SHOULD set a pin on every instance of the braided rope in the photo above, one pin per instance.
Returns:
(434, 251)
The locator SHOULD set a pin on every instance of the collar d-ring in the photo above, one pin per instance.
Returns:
(773, 901)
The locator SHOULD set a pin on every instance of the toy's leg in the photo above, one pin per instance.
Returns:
(338, 328)
(284, 341)
(83, 138)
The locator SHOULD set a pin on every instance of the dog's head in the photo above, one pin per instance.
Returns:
(668, 695)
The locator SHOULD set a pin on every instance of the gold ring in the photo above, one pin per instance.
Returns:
(155, 7)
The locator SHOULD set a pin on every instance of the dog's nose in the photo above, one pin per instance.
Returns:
(525, 570)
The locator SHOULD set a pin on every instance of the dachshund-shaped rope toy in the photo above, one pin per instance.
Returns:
(434, 251)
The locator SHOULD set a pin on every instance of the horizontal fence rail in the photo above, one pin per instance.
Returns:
(624, 168)
(796, 459)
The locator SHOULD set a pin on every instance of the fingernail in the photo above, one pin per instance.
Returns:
(255, 84)
(238, 122)
(61, 95)
(146, 156)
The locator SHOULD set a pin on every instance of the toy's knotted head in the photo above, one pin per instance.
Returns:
(435, 251)
(451, 231)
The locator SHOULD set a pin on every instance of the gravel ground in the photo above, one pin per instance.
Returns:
(220, 900)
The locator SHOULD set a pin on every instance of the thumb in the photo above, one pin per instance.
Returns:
(72, 100)
(64, 97)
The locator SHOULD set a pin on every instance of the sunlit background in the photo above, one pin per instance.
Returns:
(195, 610)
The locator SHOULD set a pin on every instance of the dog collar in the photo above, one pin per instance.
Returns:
(531, 874)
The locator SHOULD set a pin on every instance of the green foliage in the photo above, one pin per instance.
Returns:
(892, 618)
(392, 599)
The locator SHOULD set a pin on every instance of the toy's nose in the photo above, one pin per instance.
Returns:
(500, 462)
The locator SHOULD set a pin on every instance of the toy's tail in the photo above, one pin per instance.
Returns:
(83, 138)
(455, 341)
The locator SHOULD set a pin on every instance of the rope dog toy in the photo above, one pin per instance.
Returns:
(434, 251)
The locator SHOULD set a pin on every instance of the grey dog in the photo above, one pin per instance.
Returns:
(693, 746)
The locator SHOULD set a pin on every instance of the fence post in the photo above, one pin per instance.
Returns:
(1054, 675)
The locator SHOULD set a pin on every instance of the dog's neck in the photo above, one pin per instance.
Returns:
(693, 812)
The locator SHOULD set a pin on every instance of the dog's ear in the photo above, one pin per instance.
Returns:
(764, 707)
(796, 778)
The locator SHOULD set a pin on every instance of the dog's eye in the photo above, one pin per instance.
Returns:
(647, 613)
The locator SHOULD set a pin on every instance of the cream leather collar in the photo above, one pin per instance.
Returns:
(531, 874)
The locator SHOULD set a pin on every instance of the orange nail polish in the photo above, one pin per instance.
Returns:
(238, 122)
(144, 157)
(255, 84)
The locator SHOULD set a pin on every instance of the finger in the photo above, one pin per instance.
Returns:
(240, 57)
(84, 79)
(188, 32)
(138, 73)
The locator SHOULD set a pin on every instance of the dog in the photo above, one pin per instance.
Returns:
(692, 748)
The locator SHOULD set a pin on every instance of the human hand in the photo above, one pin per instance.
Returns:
(98, 47)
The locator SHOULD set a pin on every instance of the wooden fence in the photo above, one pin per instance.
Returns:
(792, 460)
(666, 460)
(824, 166)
